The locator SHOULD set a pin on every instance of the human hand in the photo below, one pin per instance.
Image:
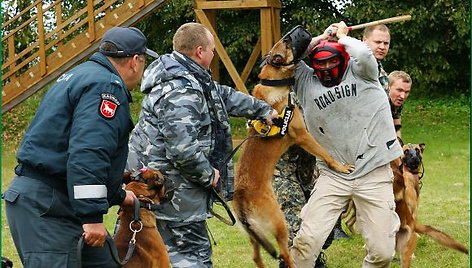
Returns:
(94, 234)
(269, 119)
(330, 31)
(129, 199)
(342, 31)
(216, 178)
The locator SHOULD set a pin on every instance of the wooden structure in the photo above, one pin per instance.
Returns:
(270, 31)
(26, 68)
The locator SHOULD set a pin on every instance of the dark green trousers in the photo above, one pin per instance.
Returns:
(45, 229)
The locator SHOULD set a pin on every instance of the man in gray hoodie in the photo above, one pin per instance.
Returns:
(348, 112)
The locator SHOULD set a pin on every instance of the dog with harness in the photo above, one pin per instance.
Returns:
(254, 202)
(406, 188)
(138, 242)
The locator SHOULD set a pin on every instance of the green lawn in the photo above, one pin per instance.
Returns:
(443, 125)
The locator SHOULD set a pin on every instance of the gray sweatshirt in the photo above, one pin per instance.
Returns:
(351, 120)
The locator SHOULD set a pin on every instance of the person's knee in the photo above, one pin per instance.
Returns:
(305, 246)
(381, 255)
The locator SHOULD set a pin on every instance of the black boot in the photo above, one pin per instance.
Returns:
(321, 261)
(339, 232)
(282, 263)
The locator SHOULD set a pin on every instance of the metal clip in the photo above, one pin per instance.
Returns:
(135, 231)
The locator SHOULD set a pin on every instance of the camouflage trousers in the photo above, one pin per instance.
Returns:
(188, 243)
(294, 178)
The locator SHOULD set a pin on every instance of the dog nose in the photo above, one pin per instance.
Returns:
(413, 163)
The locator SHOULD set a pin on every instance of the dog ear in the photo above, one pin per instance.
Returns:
(422, 146)
(126, 177)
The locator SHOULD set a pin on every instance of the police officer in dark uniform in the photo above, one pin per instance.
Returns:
(72, 157)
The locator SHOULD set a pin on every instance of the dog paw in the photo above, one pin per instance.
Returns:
(345, 168)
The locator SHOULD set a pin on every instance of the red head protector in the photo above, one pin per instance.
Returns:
(329, 59)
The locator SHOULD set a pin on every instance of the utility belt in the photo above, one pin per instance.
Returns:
(57, 182)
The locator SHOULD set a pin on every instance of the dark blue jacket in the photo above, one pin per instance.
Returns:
(80, 135)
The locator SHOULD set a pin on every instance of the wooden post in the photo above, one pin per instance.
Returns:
(215, 63)
(11, 52)
(222, 52)
(91, 21)
(270, 31)
(42, 45)
(59, 23)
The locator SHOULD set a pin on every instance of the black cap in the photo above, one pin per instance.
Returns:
(129, 41)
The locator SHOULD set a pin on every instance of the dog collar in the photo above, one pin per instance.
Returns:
(278, 83)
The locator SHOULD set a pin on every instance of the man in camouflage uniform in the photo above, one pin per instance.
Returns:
(378, 39)
(183, 122)
(399, 87)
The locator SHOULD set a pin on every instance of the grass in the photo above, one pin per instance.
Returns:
(443, 125)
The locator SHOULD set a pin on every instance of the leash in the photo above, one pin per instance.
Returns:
(111, 244)
(218, 198)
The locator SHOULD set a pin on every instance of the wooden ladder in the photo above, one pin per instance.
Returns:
(60, 45)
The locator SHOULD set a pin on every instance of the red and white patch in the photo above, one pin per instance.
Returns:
(108, 108)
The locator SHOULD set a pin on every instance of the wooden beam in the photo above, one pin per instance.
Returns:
(250, 4)
(266, 30)
(222, 52)
(215, 63)
(42, 46)
(252, 61)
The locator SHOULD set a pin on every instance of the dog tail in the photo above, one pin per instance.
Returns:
(441, 237)
(257, 234)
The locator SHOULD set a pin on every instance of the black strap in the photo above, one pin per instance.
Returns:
(278, 83)
(218, 198)
(111, 244)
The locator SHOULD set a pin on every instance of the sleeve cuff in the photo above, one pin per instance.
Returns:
(92, 219)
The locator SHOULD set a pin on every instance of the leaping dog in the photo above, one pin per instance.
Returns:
(254, 200)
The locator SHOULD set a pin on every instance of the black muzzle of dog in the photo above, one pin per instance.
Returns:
(169, 190)
(412, 158)
(299, 38)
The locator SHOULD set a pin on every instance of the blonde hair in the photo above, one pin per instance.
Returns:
(368, 30)
(190, 36)
(396, 75)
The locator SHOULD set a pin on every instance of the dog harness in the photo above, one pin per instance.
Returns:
(281, 123)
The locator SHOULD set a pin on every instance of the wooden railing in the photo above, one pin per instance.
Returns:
(42, 41)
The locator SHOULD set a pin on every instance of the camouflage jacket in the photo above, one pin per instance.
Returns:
(383, 79)
(175, 132)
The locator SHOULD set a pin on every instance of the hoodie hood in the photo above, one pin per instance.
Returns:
(170, 67)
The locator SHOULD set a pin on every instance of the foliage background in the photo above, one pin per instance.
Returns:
(434, 47)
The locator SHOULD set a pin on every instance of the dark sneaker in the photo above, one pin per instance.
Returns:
(340, 234)
(321, 261)
(282, 264)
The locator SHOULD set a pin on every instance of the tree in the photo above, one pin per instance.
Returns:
(434, 47)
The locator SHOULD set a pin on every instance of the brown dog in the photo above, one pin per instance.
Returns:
(254, 201)
(150, 251)
(406, 188)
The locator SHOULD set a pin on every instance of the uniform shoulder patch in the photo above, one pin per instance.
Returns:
(108, 105)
